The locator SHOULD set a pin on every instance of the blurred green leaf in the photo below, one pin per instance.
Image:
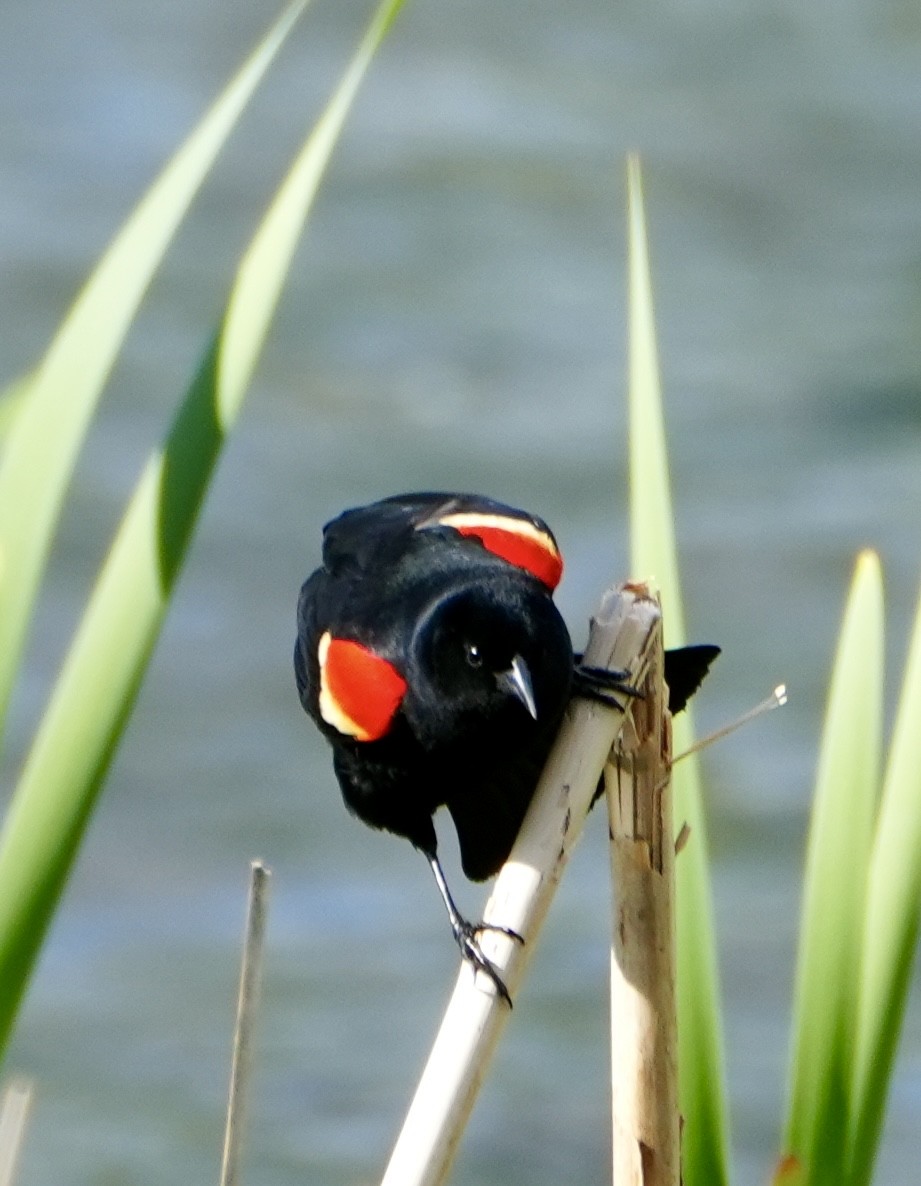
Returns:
(97, 686)
(654, 556)
(837, 860)
(890, 931)
(45, 436)
(11, 400)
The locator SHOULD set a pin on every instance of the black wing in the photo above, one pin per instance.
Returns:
(364, 538)
(306, 667)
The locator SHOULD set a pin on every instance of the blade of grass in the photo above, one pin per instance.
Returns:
(890, 931)
(837, 859)
(97, 686)
(11, 400)
(45, 437)
(653, 553)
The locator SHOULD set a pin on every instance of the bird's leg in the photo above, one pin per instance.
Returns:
(600, 683)
(465, 932)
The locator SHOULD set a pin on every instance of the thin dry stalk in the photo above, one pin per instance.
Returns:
(644, 1030)
(247, 1007)
(475, 1015)
(13, 1115)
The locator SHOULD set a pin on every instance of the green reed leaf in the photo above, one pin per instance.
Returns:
(890, 931)
(837, 860)
(44, 437)
(654, 555)
(103, 670)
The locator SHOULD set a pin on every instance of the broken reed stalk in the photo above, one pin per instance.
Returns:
(644, 1026)
(13, 1114)
(475, 1015)
(247, 1007)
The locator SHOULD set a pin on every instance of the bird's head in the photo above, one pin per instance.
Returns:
(488, 658)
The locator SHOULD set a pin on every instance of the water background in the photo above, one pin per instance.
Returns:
(456, 319)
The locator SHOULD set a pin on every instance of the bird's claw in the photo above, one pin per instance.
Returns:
(466, 933)
(492, 926)
(600, 684)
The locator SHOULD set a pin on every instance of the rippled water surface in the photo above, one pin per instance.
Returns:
(455, 319)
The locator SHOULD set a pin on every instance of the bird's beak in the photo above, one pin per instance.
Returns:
(517, 681)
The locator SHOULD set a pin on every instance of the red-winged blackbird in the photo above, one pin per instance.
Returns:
(431, 655)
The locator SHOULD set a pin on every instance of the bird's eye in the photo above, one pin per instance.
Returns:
(474, 657)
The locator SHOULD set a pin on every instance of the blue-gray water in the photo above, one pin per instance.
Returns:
(456, 319)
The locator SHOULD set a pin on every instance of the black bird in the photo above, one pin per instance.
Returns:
(432, 657)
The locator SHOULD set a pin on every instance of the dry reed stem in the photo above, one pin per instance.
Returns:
(644, 1037)
(13, 1115)
(247, 1007)
(525, 886)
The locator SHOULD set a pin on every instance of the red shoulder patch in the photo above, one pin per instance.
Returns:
(360, 692)
(518, 541)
